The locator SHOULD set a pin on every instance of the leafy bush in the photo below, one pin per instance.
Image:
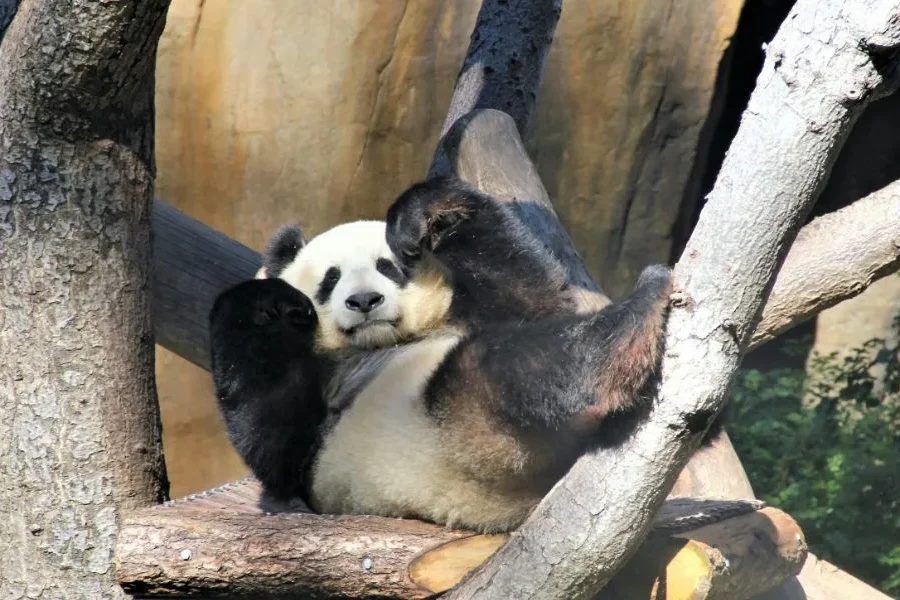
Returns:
(824, 446)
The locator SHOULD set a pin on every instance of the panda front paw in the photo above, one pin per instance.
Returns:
(263, 302)
(424, 215)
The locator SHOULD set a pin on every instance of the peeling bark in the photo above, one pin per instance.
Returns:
(80, 435)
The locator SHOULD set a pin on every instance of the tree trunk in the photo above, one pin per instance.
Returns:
(829, 59)
(80, 436)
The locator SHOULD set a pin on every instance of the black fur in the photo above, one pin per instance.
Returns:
(326, 286)
(282, 249)
(531, 358)
(269, 381)
(547, 372)
(498, 270)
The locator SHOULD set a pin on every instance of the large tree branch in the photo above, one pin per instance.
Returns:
(505, 60)
(827, 62)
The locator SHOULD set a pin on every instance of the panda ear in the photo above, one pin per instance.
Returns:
(282, 249)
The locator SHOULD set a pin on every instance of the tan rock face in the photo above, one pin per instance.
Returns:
(275, 111)
(627, 90)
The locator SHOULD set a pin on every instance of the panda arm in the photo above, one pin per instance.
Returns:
(268, 380)
(557, 375)
(496, 267)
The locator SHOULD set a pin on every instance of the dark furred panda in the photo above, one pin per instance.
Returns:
(463, 400)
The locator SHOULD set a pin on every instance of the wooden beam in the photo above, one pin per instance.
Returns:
(192, 263)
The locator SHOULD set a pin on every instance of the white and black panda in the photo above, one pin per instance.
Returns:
(432, 367)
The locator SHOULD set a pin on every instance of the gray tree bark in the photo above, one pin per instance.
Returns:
(829, 59)
(80, 433)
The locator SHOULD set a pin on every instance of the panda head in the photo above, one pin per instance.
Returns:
(362, 297)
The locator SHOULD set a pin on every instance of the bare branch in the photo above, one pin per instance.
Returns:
(819, 74)
(835, 257)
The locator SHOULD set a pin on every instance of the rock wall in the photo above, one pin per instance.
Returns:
(282, 110)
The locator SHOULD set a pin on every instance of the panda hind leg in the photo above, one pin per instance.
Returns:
(546, 382)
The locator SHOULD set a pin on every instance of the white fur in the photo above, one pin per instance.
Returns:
(387, 456)
(354, 248)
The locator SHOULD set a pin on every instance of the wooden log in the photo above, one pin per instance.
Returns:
(821, 580)
(737, 558)
(219, 543)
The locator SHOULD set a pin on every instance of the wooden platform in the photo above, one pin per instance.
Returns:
(220, 542)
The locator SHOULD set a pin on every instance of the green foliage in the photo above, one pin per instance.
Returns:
(824, 446)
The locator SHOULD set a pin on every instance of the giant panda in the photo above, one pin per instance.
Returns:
(433, 366)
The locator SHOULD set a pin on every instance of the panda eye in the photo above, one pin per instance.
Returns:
(327, 285)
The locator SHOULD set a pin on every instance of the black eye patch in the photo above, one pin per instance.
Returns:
(326, 286)
(390, 270)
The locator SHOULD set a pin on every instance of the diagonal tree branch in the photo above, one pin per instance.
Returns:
(505, 60)
(829, 59)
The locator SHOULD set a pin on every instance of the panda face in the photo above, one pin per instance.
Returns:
(361, 296)
(354, 282)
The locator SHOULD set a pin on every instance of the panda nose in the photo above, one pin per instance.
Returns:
(364, 302)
